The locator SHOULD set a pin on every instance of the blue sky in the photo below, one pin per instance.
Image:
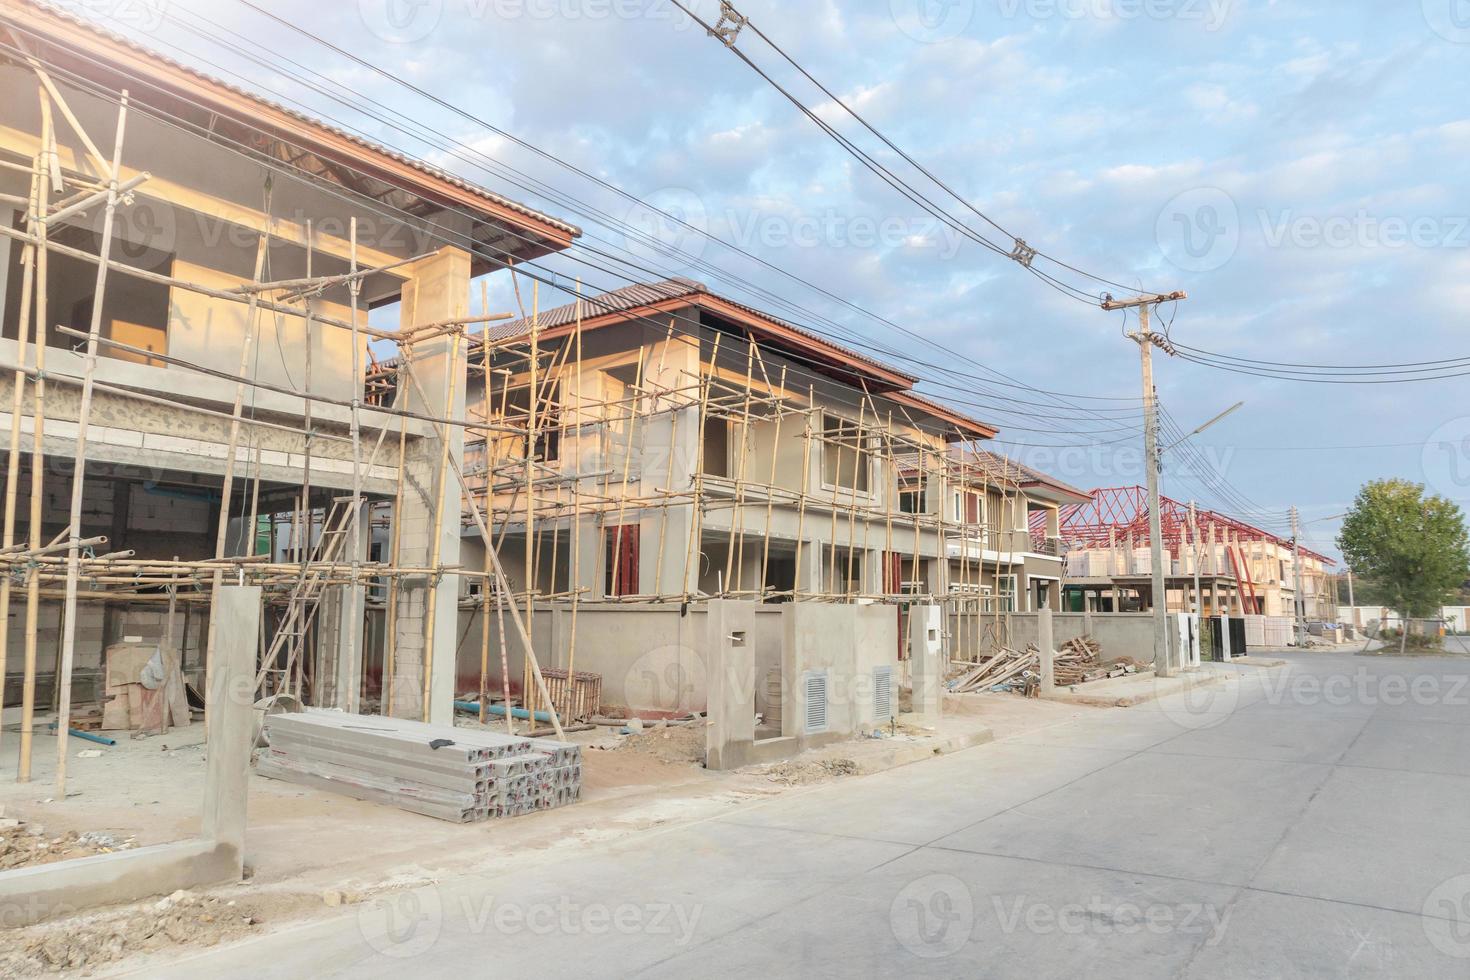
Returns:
(1299, 167)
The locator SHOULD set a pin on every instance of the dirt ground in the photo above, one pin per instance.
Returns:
(304, 846)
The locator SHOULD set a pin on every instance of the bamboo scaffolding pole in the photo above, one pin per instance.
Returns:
(770, 498)
(575, 575)
(353, 669)
(12, 470)
(622, 497)
(806, 478)
(735, 552)
(696, 518)
(69, 621)
(489, 499)
(38, 441)
(252, 326)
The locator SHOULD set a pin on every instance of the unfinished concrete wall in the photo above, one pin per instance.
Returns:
(1121, 634)
(845, 644)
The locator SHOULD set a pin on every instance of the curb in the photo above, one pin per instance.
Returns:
(903, 755)
(1207, 679)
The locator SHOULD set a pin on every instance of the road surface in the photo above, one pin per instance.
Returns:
(1312, 821)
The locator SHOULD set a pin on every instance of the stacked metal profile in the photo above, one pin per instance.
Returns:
(456, 774)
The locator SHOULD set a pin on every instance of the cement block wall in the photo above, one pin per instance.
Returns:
(1121, 634)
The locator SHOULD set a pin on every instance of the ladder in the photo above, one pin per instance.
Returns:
(305, 599)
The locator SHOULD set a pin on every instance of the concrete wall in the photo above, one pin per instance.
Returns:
(1121, 634)
(845, 641)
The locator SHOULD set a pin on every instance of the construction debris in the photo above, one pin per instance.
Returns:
(181, 920)
(25, 844)
(454, 774)
(1077, 662)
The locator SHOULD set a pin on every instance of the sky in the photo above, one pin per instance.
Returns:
(1299, 168)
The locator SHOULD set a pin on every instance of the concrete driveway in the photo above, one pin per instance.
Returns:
(1311, 821)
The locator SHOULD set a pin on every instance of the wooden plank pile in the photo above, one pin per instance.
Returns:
(1077, 662)
(455, 774)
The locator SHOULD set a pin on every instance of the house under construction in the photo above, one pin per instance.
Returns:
(552, 511)
(1239, 569)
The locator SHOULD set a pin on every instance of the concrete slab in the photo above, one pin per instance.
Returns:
(1279, 937)
(1000, 777)
(1418, 746)
(1157, 814)
(1376, 837)
(930, 914)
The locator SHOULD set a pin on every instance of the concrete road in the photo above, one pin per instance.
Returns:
(1312, 821)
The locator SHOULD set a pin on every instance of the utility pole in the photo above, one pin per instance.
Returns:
(1146, 339)
(1296, 565)
(1199, 596)
(1352, 602)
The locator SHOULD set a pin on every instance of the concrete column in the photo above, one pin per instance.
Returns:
(1045, 642)
(730, 664)
(232, 716)
(926, 662)
(438, 289)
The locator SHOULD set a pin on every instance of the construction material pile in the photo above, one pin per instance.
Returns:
(454, 774)
(1077, 662)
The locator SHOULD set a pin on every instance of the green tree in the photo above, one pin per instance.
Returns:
(1412, 547)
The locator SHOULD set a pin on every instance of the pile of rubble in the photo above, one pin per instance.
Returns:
(25, 844)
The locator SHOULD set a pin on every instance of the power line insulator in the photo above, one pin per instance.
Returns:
(730, 24)
(1023, 253)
